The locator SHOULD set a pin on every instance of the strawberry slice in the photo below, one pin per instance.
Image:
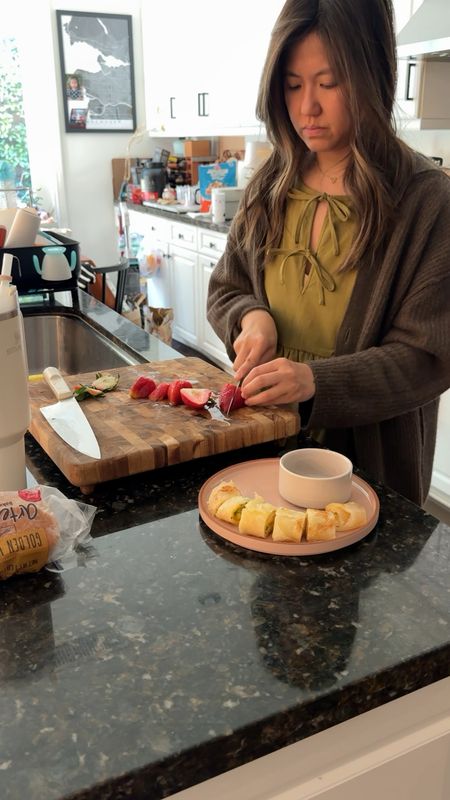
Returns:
(142, 387)
(159, 392)
(230, 398)
(173, 392)
(195, 398)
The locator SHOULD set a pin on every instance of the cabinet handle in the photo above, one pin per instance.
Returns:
(212, 245)
(201, 104)
(212, 264)
(171, 100)
(181, 235)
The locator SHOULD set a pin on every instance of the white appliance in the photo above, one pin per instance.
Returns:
(255, 155)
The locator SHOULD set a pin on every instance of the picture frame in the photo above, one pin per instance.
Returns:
(97, 71)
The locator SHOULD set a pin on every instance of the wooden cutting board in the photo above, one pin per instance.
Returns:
(140, 435)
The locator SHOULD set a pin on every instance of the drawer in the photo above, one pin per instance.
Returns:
(143, 223)
(211, 243)
(183, 235)
(159, 227)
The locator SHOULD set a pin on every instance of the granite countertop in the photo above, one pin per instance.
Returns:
(167, 656)
(201, 220)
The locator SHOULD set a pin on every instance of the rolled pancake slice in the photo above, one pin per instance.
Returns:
(230, 510)
(348, 515)
(289, 525)
(320, 525)
(257, 518)
(220, 493)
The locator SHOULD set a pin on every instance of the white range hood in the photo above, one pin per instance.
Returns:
(423, 45)
(427, 34)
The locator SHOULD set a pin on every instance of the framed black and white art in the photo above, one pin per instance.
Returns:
(96, 52)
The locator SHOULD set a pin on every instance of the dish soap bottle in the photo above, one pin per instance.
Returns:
(14, 399)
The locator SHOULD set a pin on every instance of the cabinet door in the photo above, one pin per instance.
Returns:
(208, 341)
(183, 291)
(203, 79)
(158, 282)
(237, 80)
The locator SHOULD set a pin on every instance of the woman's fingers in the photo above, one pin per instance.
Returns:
(279, 381)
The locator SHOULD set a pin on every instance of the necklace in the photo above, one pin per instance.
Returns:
(331, 178)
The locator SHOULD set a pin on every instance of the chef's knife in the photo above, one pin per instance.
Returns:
(67, 418)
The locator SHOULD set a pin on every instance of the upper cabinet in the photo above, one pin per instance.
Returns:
(202, 65)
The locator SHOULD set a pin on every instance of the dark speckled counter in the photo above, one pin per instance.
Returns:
(200, 220)
(167, 656)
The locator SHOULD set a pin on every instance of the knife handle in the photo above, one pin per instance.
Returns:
(57, 383)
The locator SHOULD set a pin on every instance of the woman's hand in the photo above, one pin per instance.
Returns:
(256, 343)
(278, 381)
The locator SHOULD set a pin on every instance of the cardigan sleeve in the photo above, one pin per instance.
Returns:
(410, 364)
(235, 288)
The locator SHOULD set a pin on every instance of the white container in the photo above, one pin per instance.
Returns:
(218, 205)
(312, 478)
(24, 228)
(14, 401)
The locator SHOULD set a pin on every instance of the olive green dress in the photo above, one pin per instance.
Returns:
(308, 304)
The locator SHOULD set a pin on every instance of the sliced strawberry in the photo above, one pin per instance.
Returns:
(230, 398)
(142, 387)
(173, 392)
(159, 392)
(195, 398)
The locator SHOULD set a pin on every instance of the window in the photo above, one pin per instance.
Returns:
(15, 179)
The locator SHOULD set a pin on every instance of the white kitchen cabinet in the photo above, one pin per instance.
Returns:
(440, 479)
(211, 344)
(398, 751)
(188, 256)
(203, 79)
(183, 292)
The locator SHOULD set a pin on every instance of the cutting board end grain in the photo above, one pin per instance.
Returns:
(140, 435)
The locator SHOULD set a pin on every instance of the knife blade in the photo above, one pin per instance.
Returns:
(238, 386)
(66, 417)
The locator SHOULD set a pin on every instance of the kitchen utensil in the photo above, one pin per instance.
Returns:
(238, 386)
(216, 413)
(67, 418)
(261, 477)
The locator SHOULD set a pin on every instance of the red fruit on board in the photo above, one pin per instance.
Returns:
(142, 387)
(173, 392)
(195, 398)
(159, 392)
(230, 398)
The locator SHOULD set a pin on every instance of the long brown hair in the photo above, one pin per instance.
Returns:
(360, 41)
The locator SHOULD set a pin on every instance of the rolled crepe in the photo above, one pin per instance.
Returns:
(289, 525)
(320, 525)
(231, 509)
(348, 515)
(257, 518)
(220, 493)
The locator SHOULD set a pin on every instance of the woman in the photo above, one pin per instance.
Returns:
(334, 287)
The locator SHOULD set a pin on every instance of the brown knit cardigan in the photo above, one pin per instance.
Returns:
(378, 396)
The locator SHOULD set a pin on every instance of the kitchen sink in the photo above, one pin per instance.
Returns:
(71, 344)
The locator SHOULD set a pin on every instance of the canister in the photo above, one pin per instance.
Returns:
(218, 205)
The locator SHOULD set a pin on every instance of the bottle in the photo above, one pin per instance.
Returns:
(218, 206)
(14, 401)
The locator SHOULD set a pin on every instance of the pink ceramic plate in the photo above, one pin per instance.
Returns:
(261, 477)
